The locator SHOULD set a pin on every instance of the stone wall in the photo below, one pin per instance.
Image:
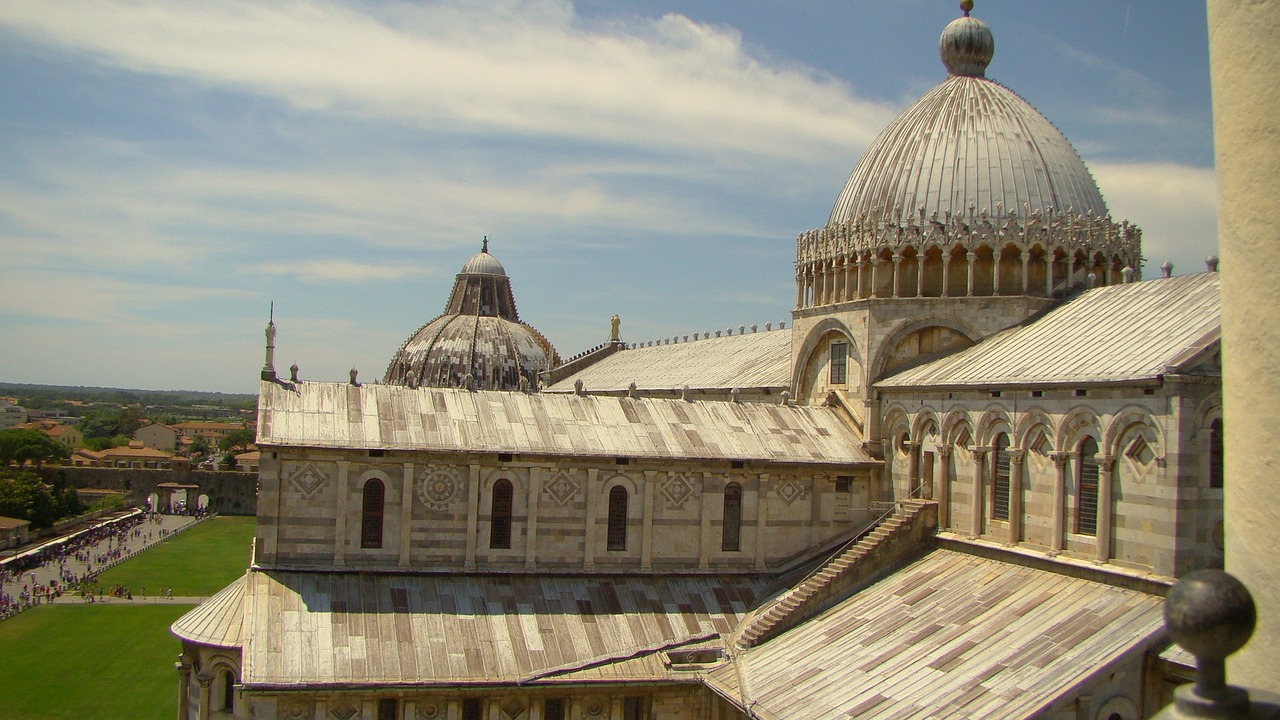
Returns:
(436, 512)
(229, 493)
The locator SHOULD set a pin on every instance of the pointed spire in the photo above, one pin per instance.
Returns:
(484, 246)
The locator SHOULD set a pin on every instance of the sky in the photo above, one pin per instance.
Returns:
(169, 170)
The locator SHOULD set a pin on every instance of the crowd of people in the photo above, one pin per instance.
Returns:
(71, 564)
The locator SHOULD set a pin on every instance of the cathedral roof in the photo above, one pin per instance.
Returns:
(750, 360)
(950, 635)
(340, 415)
(513, 628)
(968, 142)
(1120, 333)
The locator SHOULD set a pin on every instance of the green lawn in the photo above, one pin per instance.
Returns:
(198, 562)
(90, 661)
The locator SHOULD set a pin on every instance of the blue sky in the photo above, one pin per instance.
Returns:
(168, 169)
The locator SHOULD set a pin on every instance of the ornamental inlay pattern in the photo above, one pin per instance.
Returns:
(308, 479)
(678, 489)
(438, 488)
(789, 490)
(562, 488)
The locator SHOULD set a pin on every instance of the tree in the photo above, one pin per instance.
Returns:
(200, 446)
(236, 441)
(24, 445)
(24, 495)
(98, 444)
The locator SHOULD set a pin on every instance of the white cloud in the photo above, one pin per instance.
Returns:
(338, 270)
(531, 68)
(1175, 205)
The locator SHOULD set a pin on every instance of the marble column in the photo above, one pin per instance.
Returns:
(897, 275)
(1106, 464)
(920, 274)
(1026, 279)
(1048, 274)
(184, 688)
(970, 257)
(1017, 458)
(946, 274)
(942, 485)
(1062, 462)
(979, 493)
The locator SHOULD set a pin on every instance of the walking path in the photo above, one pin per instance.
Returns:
(98, 557)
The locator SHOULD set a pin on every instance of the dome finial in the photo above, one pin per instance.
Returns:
(966, 45)
(484, 246)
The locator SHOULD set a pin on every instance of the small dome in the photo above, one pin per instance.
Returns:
(482, 263)
(479, 335)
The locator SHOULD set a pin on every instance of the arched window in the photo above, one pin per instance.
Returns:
(1087, 499)
(500, 515)
(371, 514)
(617, 518)
(1215, 454)
(228, 688)
(731, 531)
(1000, 481)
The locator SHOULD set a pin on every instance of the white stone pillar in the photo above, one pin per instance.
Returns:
(946, 274)
(1245, 71)
(919, 274)
(857, 295)
(1048, 274)
(969, 257)
(897, 275)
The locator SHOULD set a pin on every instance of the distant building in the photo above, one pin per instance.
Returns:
(14, 532)
(158, 437)
(135, 455)
(207, 429)
(68, 435)
(247, 462)
(11, 414)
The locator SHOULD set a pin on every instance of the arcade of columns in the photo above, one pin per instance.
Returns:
(963, 256)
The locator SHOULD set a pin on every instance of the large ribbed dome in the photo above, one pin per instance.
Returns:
(478, 342)
(969, 193)
(969, 142)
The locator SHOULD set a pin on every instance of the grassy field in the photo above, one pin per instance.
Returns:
(198, 562)
(90, 661)
(116, 660)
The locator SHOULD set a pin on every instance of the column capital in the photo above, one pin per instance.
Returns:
(944, 451)
(1016, 454)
